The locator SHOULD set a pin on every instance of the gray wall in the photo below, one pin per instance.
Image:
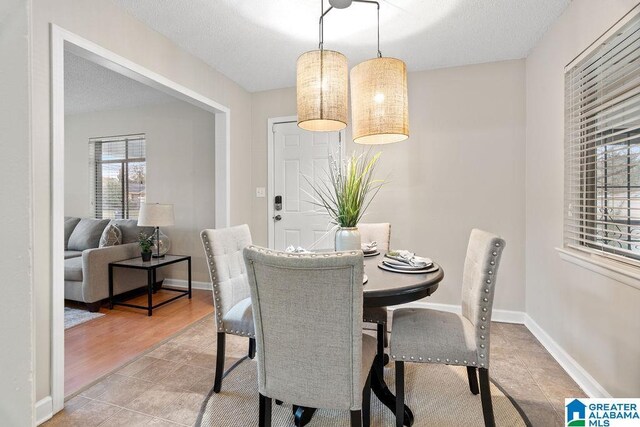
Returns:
(16, 315)
(180, 168)
(594, 318)
(462, 167)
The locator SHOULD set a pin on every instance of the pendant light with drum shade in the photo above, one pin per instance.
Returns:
(379, 99)
(322, 87)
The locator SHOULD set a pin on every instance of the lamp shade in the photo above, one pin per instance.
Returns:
(155, 215)
(379, 101)
(322, 90)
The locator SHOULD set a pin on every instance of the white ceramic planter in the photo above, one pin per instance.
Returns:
(348, 239)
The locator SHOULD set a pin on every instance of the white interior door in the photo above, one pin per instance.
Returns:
(301, 156)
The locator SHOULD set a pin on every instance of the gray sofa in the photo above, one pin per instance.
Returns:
(86, 265)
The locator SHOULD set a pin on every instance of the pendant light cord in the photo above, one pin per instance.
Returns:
(324, 12)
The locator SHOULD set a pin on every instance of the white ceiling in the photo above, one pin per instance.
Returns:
(89, 87)
(256, 42)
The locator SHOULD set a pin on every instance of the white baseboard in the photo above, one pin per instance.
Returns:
(177, 283)
(506, 316)
(44, 410)
(586, 382)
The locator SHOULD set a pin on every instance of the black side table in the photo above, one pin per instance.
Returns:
(150, 267)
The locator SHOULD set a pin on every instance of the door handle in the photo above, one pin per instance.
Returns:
(277, 217)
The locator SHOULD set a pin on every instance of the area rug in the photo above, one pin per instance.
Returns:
(437, 394)
(74, 317)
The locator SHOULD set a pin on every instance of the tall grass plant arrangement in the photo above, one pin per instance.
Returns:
(348, 191)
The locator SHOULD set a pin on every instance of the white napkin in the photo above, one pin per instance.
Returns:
(403, 257)
(298, 250)
(369, 247)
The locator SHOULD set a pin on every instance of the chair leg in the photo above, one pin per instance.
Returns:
(386, 336)
(264, 417)
(366, 402)
(380, 344)
(399, 394)
(217, 384)
(473, 379)
(485, 396)
(356, 418)
(252, 348)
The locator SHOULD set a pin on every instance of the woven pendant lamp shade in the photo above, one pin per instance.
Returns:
(322, 90)
(379, 102)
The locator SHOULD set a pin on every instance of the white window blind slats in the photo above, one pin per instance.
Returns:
(602, 148)
(119, 175)
(605, 122)
(613, 87)
(606, 53)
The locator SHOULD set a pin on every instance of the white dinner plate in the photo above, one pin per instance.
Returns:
(365, 279)
(371, 254)
(431, 269)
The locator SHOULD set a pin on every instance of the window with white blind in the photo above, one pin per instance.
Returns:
(602, 147)
(119, 170)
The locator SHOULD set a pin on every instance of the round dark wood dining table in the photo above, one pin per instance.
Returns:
(385, 288)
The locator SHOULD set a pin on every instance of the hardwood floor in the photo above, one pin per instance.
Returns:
(96, 348)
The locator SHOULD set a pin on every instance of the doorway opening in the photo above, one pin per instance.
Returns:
(67, 45)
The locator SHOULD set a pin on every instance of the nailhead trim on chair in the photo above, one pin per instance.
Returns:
(216, 291)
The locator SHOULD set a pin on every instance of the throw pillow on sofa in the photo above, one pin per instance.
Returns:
(87, 234)
(111, 236)
(130, 230)
(70, 223)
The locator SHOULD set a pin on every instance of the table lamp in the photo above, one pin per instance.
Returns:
(156, 215)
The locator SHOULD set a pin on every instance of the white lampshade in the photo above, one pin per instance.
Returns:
(322, 91)
(379, 101)
(155, 215)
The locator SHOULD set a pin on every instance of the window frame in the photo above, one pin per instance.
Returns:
(96, 144)
(623, 268)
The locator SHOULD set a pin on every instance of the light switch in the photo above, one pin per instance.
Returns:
(261, 192)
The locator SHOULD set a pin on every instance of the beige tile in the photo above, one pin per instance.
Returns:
(118, 389)
(136, 366)
(159, 369)
(518, 383)
(75, 403)
(126, 418)
(98, 388)
(154, 401)
(540, 415)
(512, 330)
(186, 376)
(157, 422)
(168, 351)
(88, 415)
(204, 357)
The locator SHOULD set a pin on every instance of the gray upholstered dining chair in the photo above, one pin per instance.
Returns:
(223, 249)
(380, 233)
(311, 351)
(432, 336)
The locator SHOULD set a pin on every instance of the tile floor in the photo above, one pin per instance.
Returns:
(166, 386)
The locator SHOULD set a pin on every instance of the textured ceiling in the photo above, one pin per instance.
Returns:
(256, 42)
(90, 87)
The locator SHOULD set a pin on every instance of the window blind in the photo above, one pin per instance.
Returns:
(118, 169)
(602, 147)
